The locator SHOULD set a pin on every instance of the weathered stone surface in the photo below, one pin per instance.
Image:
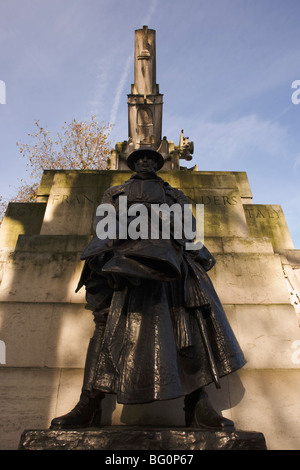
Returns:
(267, 400)
(27, 397)
(73, 197)
(44, 324)
(241, 181)
(145, 102)
(32, 397)
(21, 218)
(52, 276)
(72, 200)
(57, 334)
(124, 438)
(244, 278)
(267, 220)
(266, 340)
(42, 277)
(45, 335)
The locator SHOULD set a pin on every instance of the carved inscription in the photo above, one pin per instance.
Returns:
(220, 200)
(24, 210)
(79, 199)
(263, 213)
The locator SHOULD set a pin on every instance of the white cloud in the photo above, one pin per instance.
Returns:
(296, 165)
(101, 81)
(291, 209)
(152, 7)
(237, 140)
(128, 66)
(120, 89)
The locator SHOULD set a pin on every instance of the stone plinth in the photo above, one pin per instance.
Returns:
(130, 438)
(46, 327)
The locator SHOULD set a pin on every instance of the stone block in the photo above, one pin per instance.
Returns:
(267, 220)
(247, 245)
(214, 244)
(186, 180)
(46, 328)
(292, 277)
(261, 399)
(45, 334)
(75, 195)
(73, 199)
(21, 218)
(270, 403)
(223, 212)
(45, 185)
(4, 256)
(31, 397)
(240, 181)
(220, 196)
(31, 263)
(27, 400)
(249, 278)
(266, 333)
(217, 245)
(53, 277)
(291, 257)
(42, 277)
(52, 243)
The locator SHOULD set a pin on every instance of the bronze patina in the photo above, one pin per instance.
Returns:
(160, 329)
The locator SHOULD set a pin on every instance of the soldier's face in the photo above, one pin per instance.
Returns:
(145, 164)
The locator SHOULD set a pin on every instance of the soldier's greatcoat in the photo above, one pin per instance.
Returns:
(148, 294)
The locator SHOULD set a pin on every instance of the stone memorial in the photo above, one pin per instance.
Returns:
(46, 326)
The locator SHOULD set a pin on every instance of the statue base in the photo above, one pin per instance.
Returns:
(141, 439)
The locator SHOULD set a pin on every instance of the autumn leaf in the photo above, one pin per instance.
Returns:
(80, 145)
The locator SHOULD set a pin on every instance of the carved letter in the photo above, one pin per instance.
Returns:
(260, 214)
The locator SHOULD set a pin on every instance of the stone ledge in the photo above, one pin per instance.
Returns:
(137, 438)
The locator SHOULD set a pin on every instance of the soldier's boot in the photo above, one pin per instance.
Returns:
(87, 412)
(199, 413)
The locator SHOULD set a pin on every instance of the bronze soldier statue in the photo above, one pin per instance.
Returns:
(160, 329)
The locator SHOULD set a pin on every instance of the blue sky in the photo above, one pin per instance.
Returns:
(225, 68)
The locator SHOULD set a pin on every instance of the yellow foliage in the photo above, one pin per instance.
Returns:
(79, 146)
